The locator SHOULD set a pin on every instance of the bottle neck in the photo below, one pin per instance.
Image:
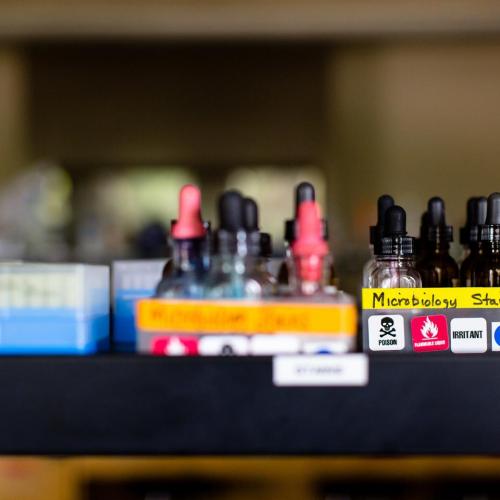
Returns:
(408, 260)
(441, 247)
(491, 247)
(189, 255)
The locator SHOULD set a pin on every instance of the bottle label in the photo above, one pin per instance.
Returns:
(218, 317)
(456, 320)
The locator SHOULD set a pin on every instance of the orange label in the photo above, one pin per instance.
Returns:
(157, 315)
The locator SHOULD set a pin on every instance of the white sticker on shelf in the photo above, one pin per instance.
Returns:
(321, 370)
(468, 335)
(269, 345)
(223, 345)
(386, 332)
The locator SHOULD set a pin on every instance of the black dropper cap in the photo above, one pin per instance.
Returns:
(251, 225)
(437, 230)
(477, 208)
(231, 221)
(266, 245)
(250, 215)
(395, 241)
(231, 211)
(384, 202)
(490, 230)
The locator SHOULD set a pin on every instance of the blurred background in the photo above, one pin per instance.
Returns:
(107, 108)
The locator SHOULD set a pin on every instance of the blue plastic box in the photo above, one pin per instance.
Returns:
(54, 308)
(132, 280)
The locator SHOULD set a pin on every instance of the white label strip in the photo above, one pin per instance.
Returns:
(321, 370)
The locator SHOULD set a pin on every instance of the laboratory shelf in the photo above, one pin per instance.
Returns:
(127, 404)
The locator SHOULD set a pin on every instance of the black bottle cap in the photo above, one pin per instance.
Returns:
(251, 225)
(250, 215)
(395, 241)
(231, 211)
(476, 216)
(434, 228)
(231, 222)
(266, 245)
(384, 202)
(289, 230)
(490, 231)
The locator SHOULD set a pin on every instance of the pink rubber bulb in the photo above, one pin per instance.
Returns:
(189, 223)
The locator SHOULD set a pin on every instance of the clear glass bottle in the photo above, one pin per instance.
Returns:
(395, 266)
(188, 268)
(237, 270)
(384, 202)
(309, 251)
(303, 192)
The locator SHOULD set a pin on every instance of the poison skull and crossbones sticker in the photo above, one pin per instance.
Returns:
(387, 324)
(386, 332)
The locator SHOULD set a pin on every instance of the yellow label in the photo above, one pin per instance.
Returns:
(431, 298)
(157, 315)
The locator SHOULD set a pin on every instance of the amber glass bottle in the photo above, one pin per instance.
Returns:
(486, 271)
(469, 237)
(437, 268)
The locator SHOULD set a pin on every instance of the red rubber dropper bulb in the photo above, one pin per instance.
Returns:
(189, 224)
(309, 248)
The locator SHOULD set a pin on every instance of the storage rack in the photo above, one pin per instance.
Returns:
(139, 405)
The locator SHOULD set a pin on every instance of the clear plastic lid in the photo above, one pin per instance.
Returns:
(42, 288)
(137, 274)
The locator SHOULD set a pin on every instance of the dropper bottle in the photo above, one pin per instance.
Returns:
(436, 266)
(256, 263)
(233, 272)
(469, 237)
(303, 192)
(395, 254)
(486, 272)
(309, 250)
(384, 202)
(188, 237)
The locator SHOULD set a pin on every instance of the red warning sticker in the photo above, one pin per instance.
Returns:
(175, 346)
(430, 333)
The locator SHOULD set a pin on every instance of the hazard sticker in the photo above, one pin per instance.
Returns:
(468, 335)
(386, 332)
(175, 346)
(495, 336)
(430, 333)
